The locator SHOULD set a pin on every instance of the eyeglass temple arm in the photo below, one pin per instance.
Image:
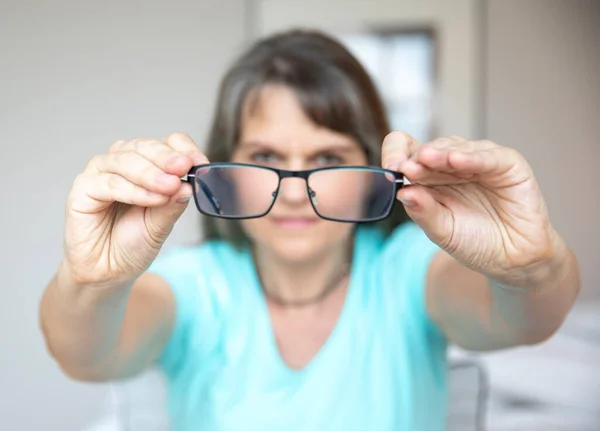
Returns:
(192, 178)
(209, 195)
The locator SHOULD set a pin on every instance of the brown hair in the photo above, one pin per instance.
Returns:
(333, 88)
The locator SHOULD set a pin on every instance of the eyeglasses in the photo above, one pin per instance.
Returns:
(342, 193)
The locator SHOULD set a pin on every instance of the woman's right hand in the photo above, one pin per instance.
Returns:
(123, 206)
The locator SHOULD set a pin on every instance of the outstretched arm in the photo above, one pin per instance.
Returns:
(478, 313)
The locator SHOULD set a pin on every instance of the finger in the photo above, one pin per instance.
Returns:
(489, 167)
(396, 148)
(163, 156)
(95, 192)
(158, 152)
(494, 166)
(439, 144)
(432, 216)
(418, 173)
(437, 155)
(117, 146)
(438, 159)
(432, 153)
(161, 219)
(442, 143)
(136, 169)
(185, 145)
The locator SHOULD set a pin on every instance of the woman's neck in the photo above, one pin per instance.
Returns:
(303, 282)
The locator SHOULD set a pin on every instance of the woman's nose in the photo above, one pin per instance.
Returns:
(293, 190)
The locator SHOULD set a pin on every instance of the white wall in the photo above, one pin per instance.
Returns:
(543, 98)
(75, 76)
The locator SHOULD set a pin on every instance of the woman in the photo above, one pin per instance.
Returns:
(288, 319)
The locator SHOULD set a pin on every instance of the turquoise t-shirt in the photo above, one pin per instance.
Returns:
(382, 368)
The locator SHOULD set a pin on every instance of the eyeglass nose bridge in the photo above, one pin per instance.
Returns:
(283, 174)
(294, 174)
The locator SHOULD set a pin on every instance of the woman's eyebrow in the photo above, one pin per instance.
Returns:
(259, 144)
(316, 148)
(334, 146)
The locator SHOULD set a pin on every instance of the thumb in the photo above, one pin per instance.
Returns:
(397, 147)
(160, 220)
(434, 218)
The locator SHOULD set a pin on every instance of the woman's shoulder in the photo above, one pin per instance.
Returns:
(206, 276)
(205, 259)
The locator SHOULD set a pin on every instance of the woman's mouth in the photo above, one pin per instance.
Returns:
(294, 222)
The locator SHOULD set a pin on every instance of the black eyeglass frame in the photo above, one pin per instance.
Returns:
(282, 174)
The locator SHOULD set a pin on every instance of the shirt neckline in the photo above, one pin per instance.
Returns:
(340, 326)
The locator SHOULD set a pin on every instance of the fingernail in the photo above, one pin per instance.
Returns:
(183, 200)
(199, 159)
(407, 202)
(393, 166)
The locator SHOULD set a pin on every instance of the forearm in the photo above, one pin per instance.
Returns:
(478, 313)
(82, 324)
(534, 306)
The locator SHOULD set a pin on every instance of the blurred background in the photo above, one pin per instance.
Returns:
(76, 76)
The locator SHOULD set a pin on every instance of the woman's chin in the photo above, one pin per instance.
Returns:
(296, 249)
(299, 247)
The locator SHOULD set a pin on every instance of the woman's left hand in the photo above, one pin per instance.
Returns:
(478, 201)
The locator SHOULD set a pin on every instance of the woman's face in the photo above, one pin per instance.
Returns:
(277, 133)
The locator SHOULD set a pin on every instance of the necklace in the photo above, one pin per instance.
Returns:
(329, 288)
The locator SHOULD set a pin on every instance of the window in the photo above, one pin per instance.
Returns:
(402, 65)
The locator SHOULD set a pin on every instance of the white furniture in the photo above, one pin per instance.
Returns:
(139, 404)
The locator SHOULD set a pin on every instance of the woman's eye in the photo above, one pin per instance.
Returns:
(328, 159)
(264, 157)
